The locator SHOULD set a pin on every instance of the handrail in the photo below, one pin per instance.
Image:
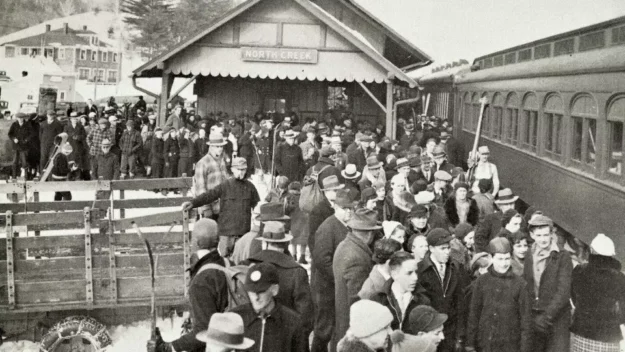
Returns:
(136, 184)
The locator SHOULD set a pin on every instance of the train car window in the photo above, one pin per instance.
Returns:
(618, 35)
(553, 112)
(584, 117)
(466, 111)
(542, 51)
(525, 55)
(592, 41)
(498, 61)
(488, 62)
(512, 119)
(476, 111)
(486, 120)
(564, 47)
(497, 116)
(510, 58)
(530, 122)
(616, 117)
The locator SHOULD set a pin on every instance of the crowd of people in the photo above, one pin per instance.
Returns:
(414, 244)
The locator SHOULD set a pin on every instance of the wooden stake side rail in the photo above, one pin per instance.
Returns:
(100, 267)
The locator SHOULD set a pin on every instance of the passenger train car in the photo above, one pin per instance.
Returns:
(554, 123)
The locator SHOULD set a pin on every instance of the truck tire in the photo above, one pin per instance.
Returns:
(76, 330)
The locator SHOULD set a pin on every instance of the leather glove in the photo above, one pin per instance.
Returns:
(459, 346)
(542, 323)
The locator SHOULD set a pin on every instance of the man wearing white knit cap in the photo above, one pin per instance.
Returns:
(369, 328)
(598, 294)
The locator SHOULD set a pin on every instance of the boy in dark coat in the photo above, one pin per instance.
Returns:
(500, 314)
(107, 165)
(61, 170)
(275, 327)
(48, 130)
(76, 136)
(157, 154)
(130, 146)
(171, 152)
(21, 134)
(187, 154)
(548, 274)
(289, 159)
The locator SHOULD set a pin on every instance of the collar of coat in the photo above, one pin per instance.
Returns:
(603, 262)
(249, 315)
(427, 263)
(352, 344)
(281, 260)
(211, 258)
(416, 294)
(358, 242)
(507, 275)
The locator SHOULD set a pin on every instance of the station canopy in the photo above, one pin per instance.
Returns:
(296, 40)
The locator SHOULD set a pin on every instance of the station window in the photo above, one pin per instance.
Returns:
(616, 117)
(339, 98)
(530, 122)
(9, 51)
(553, 112)
(24, 51)
(497, 116)
(584, 144)
(511, 122)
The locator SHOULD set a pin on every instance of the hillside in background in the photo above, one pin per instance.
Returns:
(19, 14)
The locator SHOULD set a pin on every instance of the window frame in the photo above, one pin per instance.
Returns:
(466, 111)
(511, 119)
(527, 127)
(62, 96)
(105, 56)
(551, 113)
(583, 164)
(86, 77)
(108, 79)
(620, 178)
(10, 48)
(497, 116)
(24, 51)
(83, 55)
(94, 55)
(115, 58)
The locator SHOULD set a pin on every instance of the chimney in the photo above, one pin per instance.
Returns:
(66, 27)
(84, 28)
(47, 28)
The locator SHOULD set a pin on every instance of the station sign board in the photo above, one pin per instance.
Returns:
(290, 55)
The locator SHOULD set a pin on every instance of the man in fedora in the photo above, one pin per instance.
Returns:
(372, 172)
(351, 266)
(274, 327)
(225, 333)
(491, 225)
(440, 160)
(210, 171)
(329, 186)
(324, 166)
(289, 159)
(426, 169)
(403, 168)
(444, 280)
(246, 246)
(359, 156)
(328, 236)
(409, 138)
(350, 175)
(340, 158)
(293, 278)
(237, 197)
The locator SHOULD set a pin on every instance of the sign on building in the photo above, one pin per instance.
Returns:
(300, 56)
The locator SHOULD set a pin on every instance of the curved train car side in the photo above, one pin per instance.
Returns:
(554, 123)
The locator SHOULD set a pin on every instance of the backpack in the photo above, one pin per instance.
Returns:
(311, 194)
(235, 276)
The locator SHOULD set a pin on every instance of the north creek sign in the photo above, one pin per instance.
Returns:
(301, 56)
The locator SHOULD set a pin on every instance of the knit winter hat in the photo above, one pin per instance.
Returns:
(367, 317)
(462, 230)
(603, 245)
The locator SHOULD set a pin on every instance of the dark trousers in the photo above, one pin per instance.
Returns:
(157, 170)
(185, 166)
(19, 161)
(93, 161)
(324, 318)
(45, 156)
(171, 170)
(555, 340)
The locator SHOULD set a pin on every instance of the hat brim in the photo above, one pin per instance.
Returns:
(364, 228)
(216, 144)
(507, 201)
(259, 217)
(350, 177)
(287, 238)
(439, 320)
(333, 188)
(203, 336)
(376, 166)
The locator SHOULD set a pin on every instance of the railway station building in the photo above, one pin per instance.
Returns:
(300, 56)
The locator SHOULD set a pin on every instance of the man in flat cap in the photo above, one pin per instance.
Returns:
(21, 134)
(275, 327)
(131, 143)
(547, 271)
(441, 187)
(237, 197)
(445, 281)
(48, 130)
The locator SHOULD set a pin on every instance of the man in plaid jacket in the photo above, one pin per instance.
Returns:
(130, 143)
(94, 139)
(210, 172)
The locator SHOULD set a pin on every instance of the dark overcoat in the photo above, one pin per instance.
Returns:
(473, 217)
(552, 300)
(388, 299)
(499, 313)
(290, 162)
(351, 266)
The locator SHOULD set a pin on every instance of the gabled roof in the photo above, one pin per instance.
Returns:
(349, 34)
(72, 38)
(405, 44)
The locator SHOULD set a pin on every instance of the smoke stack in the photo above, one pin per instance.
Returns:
(66, 27)
(47, 28)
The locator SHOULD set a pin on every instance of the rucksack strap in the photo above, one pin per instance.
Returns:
(316, 174)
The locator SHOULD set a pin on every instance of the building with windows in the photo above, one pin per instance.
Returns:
(308, 57)
(78, 51)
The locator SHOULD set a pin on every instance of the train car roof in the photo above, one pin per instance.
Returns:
(610, 59)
